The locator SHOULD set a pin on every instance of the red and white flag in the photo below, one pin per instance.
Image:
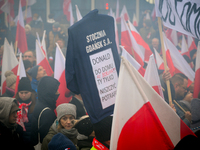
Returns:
(28, 15)
(43, 44)
(197, 74)
(60, 76)
(67, 10)
(184, 47)
(153, 14)
(9, 62)
(130, 44)
(191, 43)
(159, 60)
(152, 77)
(8, 7)
(180, 64)
(42, 60)
(143, 45)
(20, 72)
(27, 2)
(78, 14)
(135, 22)
(21, 34)
(133, 62)
(172, 36)
(140, 114)
(124, 13)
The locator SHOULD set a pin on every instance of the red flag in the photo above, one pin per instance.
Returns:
(21, 34)
(135, 22)
(43, 44)
(42, 60)
(159, 60)
(130, 44)
(135, 64)
(153, 14)
(28, 15)
(197, 74)
(152, 77)
(191, 43)
(60, 76)
(27, 2)
(1, 4)
(9, 62)
(124, 13)
(140, 114)
(172, 36)
(143, 45)
(67, 10)
(20, 72)
(8, 7)
(180, 64)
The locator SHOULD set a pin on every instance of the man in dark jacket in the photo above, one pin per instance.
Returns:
(10, 132)
(47, 96)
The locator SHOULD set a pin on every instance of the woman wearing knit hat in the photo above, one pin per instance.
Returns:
(10, 84)
(66, 113)
(26, 99)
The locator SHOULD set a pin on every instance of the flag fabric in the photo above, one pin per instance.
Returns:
(28, 15)
(9, 62)
(197, 74)
(184, 47)
(1, 4)
(67, 10)
(21, 34)
(191, 43)
(180, 64)
(135, 22)
(159, 60)
(172, 36)
(27, 2)
(8, 7)
(42, 60)
(140, 114)
(130, 44)
(153, 14)
(78, 14)
(124, 13)
(60, 76)
(152, 77)
(43, 44)
(133, 62)
(173, 16)
(20, 72)
(142, 44)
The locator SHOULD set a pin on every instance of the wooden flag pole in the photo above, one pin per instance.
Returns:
(165, 60)
(16, 44)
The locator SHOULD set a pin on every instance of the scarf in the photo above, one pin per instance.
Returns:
(22, 114)
(98, 145)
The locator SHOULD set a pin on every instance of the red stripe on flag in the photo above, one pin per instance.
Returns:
(185, 130)
(45, 64)
(144, 131)
(196, 84)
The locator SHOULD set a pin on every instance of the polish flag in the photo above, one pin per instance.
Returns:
(1, 4)
(8, 7)
(172, 36)
(59, 74)
(20, 72)
(191, 43)
(159, 60)
(197, 74)
(42, 60)
(143, 45)
(9, 62)
(141, 115)
(28, 15)
(152, 77)
(78, 14)
(67, 10)
(124, 13)
(180, 64)
(27, 2)
(153, 14)
(130, 44)
(135, 64)
(184, 47)
(135, 22)
(43, 44)
(21, 34)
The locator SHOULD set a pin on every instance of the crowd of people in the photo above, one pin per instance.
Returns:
(31, 119)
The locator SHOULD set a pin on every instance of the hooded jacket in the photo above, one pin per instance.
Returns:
(47, 88)
(10, 134)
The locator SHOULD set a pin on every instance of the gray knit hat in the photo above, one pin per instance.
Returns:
(65, 109)
(10, 78)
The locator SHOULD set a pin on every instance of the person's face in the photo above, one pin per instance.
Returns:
(27, 30)
(155, 43)
(13, 117)
(24, 95)
(67, 121)
(29, 56)
(60, 43)
(181, 90)
(41, 73)
(55, 29)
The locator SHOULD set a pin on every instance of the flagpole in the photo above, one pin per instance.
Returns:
(135, 80)
(165, 61)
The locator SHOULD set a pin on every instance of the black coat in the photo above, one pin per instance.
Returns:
(47, 88)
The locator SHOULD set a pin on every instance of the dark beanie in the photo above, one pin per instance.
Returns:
(103, 128)
(60, 142)
(33, 72)
(84, 125)
(24, 85)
